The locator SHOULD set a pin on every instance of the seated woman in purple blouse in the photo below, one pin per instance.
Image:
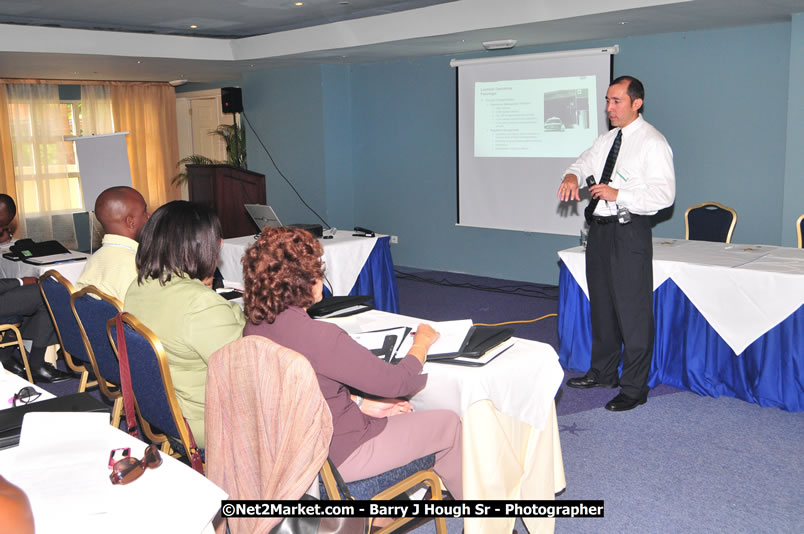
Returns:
(283, 276)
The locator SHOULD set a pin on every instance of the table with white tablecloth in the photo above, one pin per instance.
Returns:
(511, 446)
(728, 319)
(71, 270)
(353, 266)
(67, 481)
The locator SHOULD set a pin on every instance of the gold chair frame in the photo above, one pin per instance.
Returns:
(798, 231)
(167, 384)
(703, 205)
(83, 383)
(427, 477)
(15, 329)
(116, 396)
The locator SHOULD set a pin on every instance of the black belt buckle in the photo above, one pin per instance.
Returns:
(604, 220)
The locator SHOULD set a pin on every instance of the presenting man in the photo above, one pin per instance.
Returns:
(633, 169)
(123, 212)
(21, 297)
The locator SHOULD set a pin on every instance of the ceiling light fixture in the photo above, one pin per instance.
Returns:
(176, 83)
(193, 26)
(623, 22)
(502, 44)
(299, 3)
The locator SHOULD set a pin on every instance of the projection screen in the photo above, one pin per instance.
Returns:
(522, 120)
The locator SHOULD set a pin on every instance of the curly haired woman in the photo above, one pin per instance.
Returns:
(283, 276)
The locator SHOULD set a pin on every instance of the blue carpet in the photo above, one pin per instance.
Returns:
(684, 463)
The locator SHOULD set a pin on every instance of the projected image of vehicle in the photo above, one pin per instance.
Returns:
(553, 124)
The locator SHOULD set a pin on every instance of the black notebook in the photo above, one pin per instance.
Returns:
(339, 306)
(479, 340)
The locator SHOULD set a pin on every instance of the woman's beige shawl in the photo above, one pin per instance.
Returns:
(268, 427)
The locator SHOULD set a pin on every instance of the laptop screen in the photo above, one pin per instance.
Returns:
(263, 216)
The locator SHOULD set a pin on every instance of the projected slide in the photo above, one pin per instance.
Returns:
(536, 118)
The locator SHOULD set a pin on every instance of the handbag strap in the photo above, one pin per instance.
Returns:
(339, 481)
(125, 378)
(128, 397)
(194, 453)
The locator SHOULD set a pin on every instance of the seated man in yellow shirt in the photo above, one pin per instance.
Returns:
(123, 212)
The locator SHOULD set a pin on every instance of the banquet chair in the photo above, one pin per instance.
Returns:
(92, 309)
(11, 325)
(268, 427)
(389, 485)
(710, 221)
(155, 401)
(800, 231)
(56, 291)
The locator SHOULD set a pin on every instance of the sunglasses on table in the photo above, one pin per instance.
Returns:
(24, 396)
(130, 469)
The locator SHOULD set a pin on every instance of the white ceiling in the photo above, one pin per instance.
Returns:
(151, 39)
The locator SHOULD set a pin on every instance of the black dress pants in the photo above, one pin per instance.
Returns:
(27, 302)
(619, 274)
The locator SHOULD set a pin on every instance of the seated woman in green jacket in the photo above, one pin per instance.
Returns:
(172, 296)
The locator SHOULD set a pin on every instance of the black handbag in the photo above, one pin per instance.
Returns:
(321, 525)
(324, 525)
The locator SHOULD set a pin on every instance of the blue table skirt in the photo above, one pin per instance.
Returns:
(377, 278)
(689, 354)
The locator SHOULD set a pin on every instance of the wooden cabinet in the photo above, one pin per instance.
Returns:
(226, 190)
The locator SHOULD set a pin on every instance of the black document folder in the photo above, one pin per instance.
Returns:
(339, 306)
(479, 340)
(11, 419)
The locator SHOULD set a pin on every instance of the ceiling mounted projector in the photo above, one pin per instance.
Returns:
(502, 44)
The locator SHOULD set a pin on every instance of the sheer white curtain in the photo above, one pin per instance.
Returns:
(96, 111)
(48, 186)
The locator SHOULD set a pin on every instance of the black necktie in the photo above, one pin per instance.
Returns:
(611, 159)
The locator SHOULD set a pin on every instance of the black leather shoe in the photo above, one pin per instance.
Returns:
(49, 374)
(13, 366)
(586, 382)
(623, 403)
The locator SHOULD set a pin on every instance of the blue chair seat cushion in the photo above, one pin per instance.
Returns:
(10, 319)
(367, 488)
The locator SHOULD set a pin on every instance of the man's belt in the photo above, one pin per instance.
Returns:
(604, 220)
(611, 218)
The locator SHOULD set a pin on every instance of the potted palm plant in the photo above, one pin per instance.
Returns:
(235, 138)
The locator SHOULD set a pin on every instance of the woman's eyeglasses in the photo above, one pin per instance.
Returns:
(130, 469)
(25, 395)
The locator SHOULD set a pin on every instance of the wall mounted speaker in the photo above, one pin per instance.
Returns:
(231, 100)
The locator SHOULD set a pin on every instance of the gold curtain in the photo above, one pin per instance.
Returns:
(8, 184)
(148, 113)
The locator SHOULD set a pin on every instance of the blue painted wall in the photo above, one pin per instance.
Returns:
(793, 202)
(285, 108)
(375, 144)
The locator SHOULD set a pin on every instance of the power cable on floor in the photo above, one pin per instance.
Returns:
(518, 322)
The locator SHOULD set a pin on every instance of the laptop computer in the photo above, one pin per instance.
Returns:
(263, 216)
